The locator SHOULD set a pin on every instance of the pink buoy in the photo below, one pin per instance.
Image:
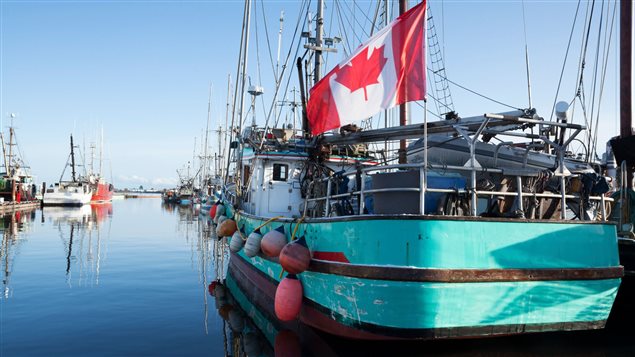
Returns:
(212, 211)
(295, 257)
(288, 299)
(273, 242)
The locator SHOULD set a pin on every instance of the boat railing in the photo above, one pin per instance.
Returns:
(362, 192)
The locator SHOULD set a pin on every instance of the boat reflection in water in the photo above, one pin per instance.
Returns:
(249, 327)
(15, 225)
(253, 331)
(81, 232)
(208, 253)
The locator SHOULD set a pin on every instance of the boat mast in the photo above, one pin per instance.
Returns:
(243, 80)
(10, 168)
(317, 74)
(72, 160)
(101, 150)
(205, 153)
(626, 32)
(403, 108)
(222, 136)
(4, 154)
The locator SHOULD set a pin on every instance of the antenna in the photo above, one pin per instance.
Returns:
(527, 57)
(279, 44)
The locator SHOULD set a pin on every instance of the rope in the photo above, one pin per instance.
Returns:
(282, 73)
(264, 20)
(604, 70)
(478, 94)
(566, 55)
(268, 221)
(595, 79)
(296, 228)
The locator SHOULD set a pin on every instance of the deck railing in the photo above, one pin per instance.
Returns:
(474, 194)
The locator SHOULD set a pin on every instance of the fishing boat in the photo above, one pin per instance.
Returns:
(16, 181)
(76, 192)
(102, 189)
(364, 247)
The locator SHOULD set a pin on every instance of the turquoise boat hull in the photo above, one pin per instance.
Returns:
(426, 277)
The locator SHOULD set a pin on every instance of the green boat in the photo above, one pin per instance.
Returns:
(420, 250)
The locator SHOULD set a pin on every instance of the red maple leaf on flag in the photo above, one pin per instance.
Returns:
(362, 71)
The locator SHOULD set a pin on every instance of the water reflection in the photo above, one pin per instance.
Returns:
(241, 334)
(209, 254)
(15, 228)
(253, 331)
(84, 233)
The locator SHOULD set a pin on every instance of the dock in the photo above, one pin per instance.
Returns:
(141, 196)
(10, 207)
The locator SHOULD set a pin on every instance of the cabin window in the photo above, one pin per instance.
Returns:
(280, 172)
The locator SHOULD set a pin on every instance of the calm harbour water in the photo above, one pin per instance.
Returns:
(132, 279)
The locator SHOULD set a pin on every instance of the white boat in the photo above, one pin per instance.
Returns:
(67, 194)
(75, 192)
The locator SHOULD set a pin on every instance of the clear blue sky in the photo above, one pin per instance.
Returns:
(141, 69)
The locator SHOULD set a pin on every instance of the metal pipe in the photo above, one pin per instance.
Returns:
(328, 197)
(403, 108)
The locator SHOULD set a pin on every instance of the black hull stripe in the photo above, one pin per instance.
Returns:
(462, 275)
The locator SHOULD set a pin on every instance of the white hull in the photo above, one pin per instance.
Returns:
(72, 195)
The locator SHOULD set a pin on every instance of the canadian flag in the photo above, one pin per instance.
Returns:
(388, 70)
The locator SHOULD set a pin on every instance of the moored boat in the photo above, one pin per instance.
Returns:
(75, 192)
(375, 250)
(16, 182)
(103, 191)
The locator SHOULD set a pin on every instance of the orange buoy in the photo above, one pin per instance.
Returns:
(273, 242)
(288, 299)
(295, 257)
(226, 228)
(287, 344)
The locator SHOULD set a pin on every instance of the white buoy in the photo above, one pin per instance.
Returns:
(220, 211)
(219, 221)
(252, 246)
(237, 242)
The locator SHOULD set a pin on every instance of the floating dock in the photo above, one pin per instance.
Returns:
(9, 207)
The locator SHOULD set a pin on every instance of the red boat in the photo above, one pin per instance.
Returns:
(102, 191)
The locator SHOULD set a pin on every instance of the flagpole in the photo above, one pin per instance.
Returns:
(403, 108)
